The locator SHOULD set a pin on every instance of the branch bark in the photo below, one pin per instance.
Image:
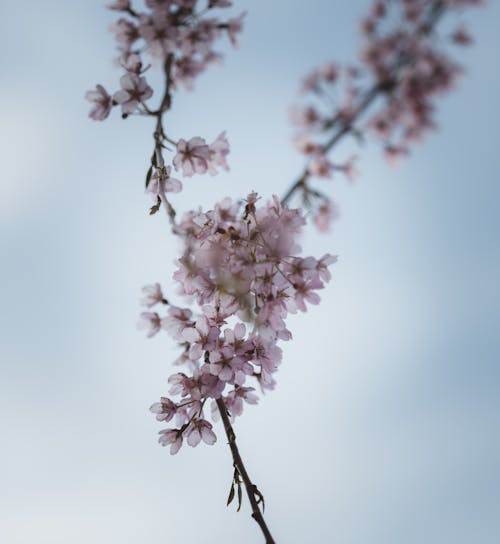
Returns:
(251, 488)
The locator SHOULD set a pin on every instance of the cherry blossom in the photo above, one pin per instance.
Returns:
(172, 437)
(135, 91)
(240, 270)
(159, 35)
(234, 399)
(234, 27)
(150, 321)
(199, 39)
(164, 410)
(126, 33)
(177, 320)
(192, 156)
(390, 95)
(219, 150)
(325, 215)
(102, 103)
(348, 168)
(461, 37)
(180, 29)
(200, 429)
(240, 260)
(152, 295)
(202, 337)
(321, 167)
(162, 182)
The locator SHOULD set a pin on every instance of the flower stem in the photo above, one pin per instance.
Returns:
(251, 489)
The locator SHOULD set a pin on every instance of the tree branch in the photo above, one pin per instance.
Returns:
(251, 488)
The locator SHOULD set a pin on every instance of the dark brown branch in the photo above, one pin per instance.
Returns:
(251, 488)
(159, 135)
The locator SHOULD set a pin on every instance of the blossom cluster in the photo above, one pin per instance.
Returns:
(404, 66)
(241, 267)
(177, 34)
(193, 156)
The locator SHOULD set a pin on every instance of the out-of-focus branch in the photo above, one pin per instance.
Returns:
(342, 127)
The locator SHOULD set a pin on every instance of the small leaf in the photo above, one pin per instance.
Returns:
(156, 207)
(239, 496)
(231, 494)
(148, 175)
(260, 497)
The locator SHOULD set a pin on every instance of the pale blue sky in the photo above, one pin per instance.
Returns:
(384, 425)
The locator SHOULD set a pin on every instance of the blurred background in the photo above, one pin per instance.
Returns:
(384, 427)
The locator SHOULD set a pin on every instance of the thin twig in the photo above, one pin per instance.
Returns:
(251, 488)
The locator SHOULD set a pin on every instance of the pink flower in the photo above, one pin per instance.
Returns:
(213, 315)
(305, 289)
(125, 32)
(323, 265)
(394, 153)
(132, 62)
(177, 320)
(321, 167)
(234, 27)
(311, 82)
(234, 402)
(305, 145)
(172, 437)
(461, 37)
(298, 269)
(192, 156)
(162, 182)
(235, 398)
(325, 215)
(164, 410)
(381, 126)
(349, 168)
(219, 150)
(159, 34)
(221, 364)
(200, 429)
(102, 103)
(239, 263)
(329, 72)
(150, 321)
(181, 384)
(235, 339)
(229, 366)
(202, 337)
(409, 69)
(306, 118)
(135, 91)
(152, 295)
(185, 70)
(267, 356)
(199, 39)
